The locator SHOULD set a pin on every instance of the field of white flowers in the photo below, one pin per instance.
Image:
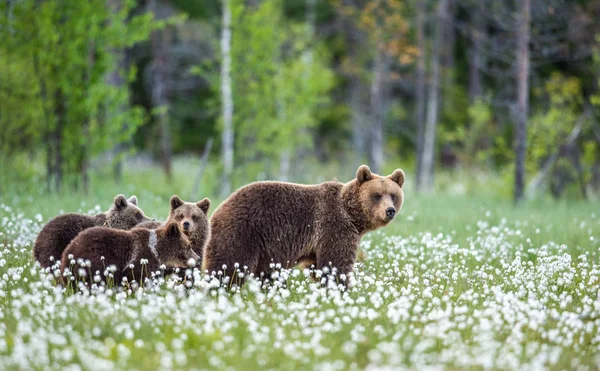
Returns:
(495, 294)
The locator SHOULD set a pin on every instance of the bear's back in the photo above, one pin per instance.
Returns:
(58, 233)
(277, 204)
(103, 247)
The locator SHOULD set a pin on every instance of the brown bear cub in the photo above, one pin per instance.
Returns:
(192, 219)
(58, 232)
(109, 255)
(266, 223)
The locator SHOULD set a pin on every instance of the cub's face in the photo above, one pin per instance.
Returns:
(174, 248)
(125, 214)
(380, 197)
(190, 217)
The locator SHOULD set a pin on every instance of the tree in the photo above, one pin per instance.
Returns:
(387, 44)
(478, 37)
(227, 98)
(432, 104)
(161, 41)
(116, 77)
(64, 49)
(420, 92)
(282, 90)
(522, 98)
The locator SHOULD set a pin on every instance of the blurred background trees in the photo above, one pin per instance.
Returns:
(285, 87)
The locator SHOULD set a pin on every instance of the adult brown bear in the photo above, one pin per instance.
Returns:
(275, 222)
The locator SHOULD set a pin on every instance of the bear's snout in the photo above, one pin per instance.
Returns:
(390, 212)
(186, 226)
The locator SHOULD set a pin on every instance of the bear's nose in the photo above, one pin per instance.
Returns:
(390, 212)
(186, 225)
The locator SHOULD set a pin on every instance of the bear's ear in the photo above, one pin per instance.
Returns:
(204, 205)
(363, 174)
(398, 177)
(173, 230)
(120, 202)
(133, 200)
(175, 202)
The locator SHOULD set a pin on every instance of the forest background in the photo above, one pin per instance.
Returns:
(466, 96)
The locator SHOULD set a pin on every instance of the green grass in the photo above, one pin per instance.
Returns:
(462, 281)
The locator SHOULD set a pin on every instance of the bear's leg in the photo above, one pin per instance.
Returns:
(337, 255)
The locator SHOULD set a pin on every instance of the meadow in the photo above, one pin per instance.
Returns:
(461, 280)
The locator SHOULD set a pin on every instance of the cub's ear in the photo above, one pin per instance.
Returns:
(398, 177)
(363, 174)
(204, 205)
(120, 202)
(175, 202)
(173, 230)
(133, 200)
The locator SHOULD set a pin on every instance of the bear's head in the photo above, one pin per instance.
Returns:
(125, 214)
(173, 247)
(373, 200)
(192, 219)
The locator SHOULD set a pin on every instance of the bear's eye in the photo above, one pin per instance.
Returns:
(393, 198)
(377, 196)
(195, 218)
(179, 217)
(138, 215)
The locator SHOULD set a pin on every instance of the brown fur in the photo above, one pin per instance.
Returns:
(196, 217)
(321, 225)
(58, 232)
(122, 248)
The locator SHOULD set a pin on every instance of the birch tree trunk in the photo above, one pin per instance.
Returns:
(522, 97)
(226, 96)
(160, 42)
(376, 145)
(420, 93)
(432, 106)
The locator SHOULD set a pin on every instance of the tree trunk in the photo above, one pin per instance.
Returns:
(59, 113)
(115, 78)
(377, 87)
(203, 162)
(311, 19)
(358, 118)
(476, 55)
(44, 99)
(226, 96)
(432, 105)
(160, 42)
(85, 146)
(522, 97)
(420, 92)
(448, 53)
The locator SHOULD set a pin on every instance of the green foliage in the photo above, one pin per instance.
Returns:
(60, 53)
(277, 86)
(548, 129)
